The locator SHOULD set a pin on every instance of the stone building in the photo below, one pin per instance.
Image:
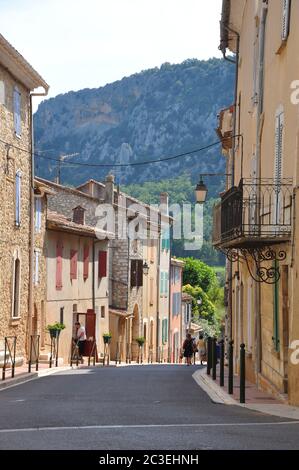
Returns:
(256, 222)
(134, 308)
(76, 257)
(18, 80)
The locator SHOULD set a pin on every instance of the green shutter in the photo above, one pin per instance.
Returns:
(276, 339)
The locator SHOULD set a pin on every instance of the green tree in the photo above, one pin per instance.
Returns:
(196, 273)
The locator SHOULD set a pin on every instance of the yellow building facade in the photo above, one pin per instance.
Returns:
(256, 222)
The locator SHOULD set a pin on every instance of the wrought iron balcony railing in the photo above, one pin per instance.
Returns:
(257, 212)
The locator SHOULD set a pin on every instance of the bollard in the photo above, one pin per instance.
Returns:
(209, 358)
(230, 367)
(221, 363)
(214, 358)
(242, 373)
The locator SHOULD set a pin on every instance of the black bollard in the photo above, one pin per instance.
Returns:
(209, 358)
(214, 358)
(222, 363)
(242, 373)
(231, 367)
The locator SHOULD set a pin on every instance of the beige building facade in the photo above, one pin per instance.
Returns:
(256, 223)
(18, 80)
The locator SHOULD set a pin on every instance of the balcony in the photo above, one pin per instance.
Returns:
(257, 213)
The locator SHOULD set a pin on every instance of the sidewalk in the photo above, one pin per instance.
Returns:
(255, 399)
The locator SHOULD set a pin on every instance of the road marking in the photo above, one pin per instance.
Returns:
(138, 426)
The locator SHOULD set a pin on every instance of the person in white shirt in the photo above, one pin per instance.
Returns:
(81, 338)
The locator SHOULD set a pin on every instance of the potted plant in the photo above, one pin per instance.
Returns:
(55, 329)
(140, 341)
(107, 337)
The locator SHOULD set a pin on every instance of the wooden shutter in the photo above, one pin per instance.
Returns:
(38, 214)
(18, 198)
(17, 111)
(278, 166)
(85, 261)
(139, 273)
(133, 273)
(286, 19)
(59, 249)
(102, 263)
(73, 264)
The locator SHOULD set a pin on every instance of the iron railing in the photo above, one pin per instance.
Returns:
(259, 209)
(34, 352)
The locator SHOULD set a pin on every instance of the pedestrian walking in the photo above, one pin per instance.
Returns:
(81, 339)
(188, 348)
(201, 347)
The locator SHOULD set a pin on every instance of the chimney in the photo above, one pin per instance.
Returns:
(164, 198)
(109, 189)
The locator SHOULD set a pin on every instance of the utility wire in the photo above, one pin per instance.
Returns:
(109, 165)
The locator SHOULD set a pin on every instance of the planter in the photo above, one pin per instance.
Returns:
(54, 333)
(107, 339)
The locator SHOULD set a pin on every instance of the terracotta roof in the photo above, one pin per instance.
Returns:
(59, 222)
(186, 297)
(65, 188)
(119, 312)
(19, 67)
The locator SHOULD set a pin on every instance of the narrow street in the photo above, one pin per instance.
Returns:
(134, 407)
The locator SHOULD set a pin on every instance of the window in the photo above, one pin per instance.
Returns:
(38, 214)
(165, 239)
(36, 267)
(2, 92)
(16, 287)
(18, 180)
(136, 273)
(102, 268)
(61, 316)
(85, 261)
(164, 280)
(17, 111)
(59, 250)
(79, 215)
(276, 339)
(102, 311)
(278, 164)
(164, 330)
(73, 264)
(286, 16)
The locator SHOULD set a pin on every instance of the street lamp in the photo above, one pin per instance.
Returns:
(201, 190)
(145, 268)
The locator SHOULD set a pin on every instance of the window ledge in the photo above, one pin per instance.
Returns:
(282, 46)
(14, 321)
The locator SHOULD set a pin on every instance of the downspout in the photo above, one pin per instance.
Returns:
(258, 325)
(31, 238)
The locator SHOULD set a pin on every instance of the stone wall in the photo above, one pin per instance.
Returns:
(14, 241)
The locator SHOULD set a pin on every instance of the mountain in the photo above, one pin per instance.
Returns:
(154, 114)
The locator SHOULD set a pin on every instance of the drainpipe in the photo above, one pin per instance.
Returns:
(31, 239)
(258, 175)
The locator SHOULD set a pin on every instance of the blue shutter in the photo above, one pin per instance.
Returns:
(38, 211)
(17, 111)
(18, 198)
(166, 283)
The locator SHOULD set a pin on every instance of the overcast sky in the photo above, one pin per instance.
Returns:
(77, 44)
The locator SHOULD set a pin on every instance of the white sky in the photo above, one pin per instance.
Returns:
(77, 44)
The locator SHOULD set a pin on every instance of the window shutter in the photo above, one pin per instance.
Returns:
(173, 303)
(38, 214)
(17, 111)
(286, 19)
(166, 283)
(18, 198)
(139, 273)
(133, 273)
(102, 263)
(278, 166)
(59, 249)
(73, 264)
(85, 261)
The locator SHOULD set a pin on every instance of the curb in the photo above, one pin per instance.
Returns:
(5, 384)
(220, 397)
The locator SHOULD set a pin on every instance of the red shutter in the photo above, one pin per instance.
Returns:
(59, 248)
(85, 261)
(102, 263)
(73, 264)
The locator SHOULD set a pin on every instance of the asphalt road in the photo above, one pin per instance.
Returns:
(136, 407)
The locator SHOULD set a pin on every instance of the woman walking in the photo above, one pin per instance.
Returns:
(188, 348)
(201, 346)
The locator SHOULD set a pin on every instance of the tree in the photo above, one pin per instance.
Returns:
(196, 273)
